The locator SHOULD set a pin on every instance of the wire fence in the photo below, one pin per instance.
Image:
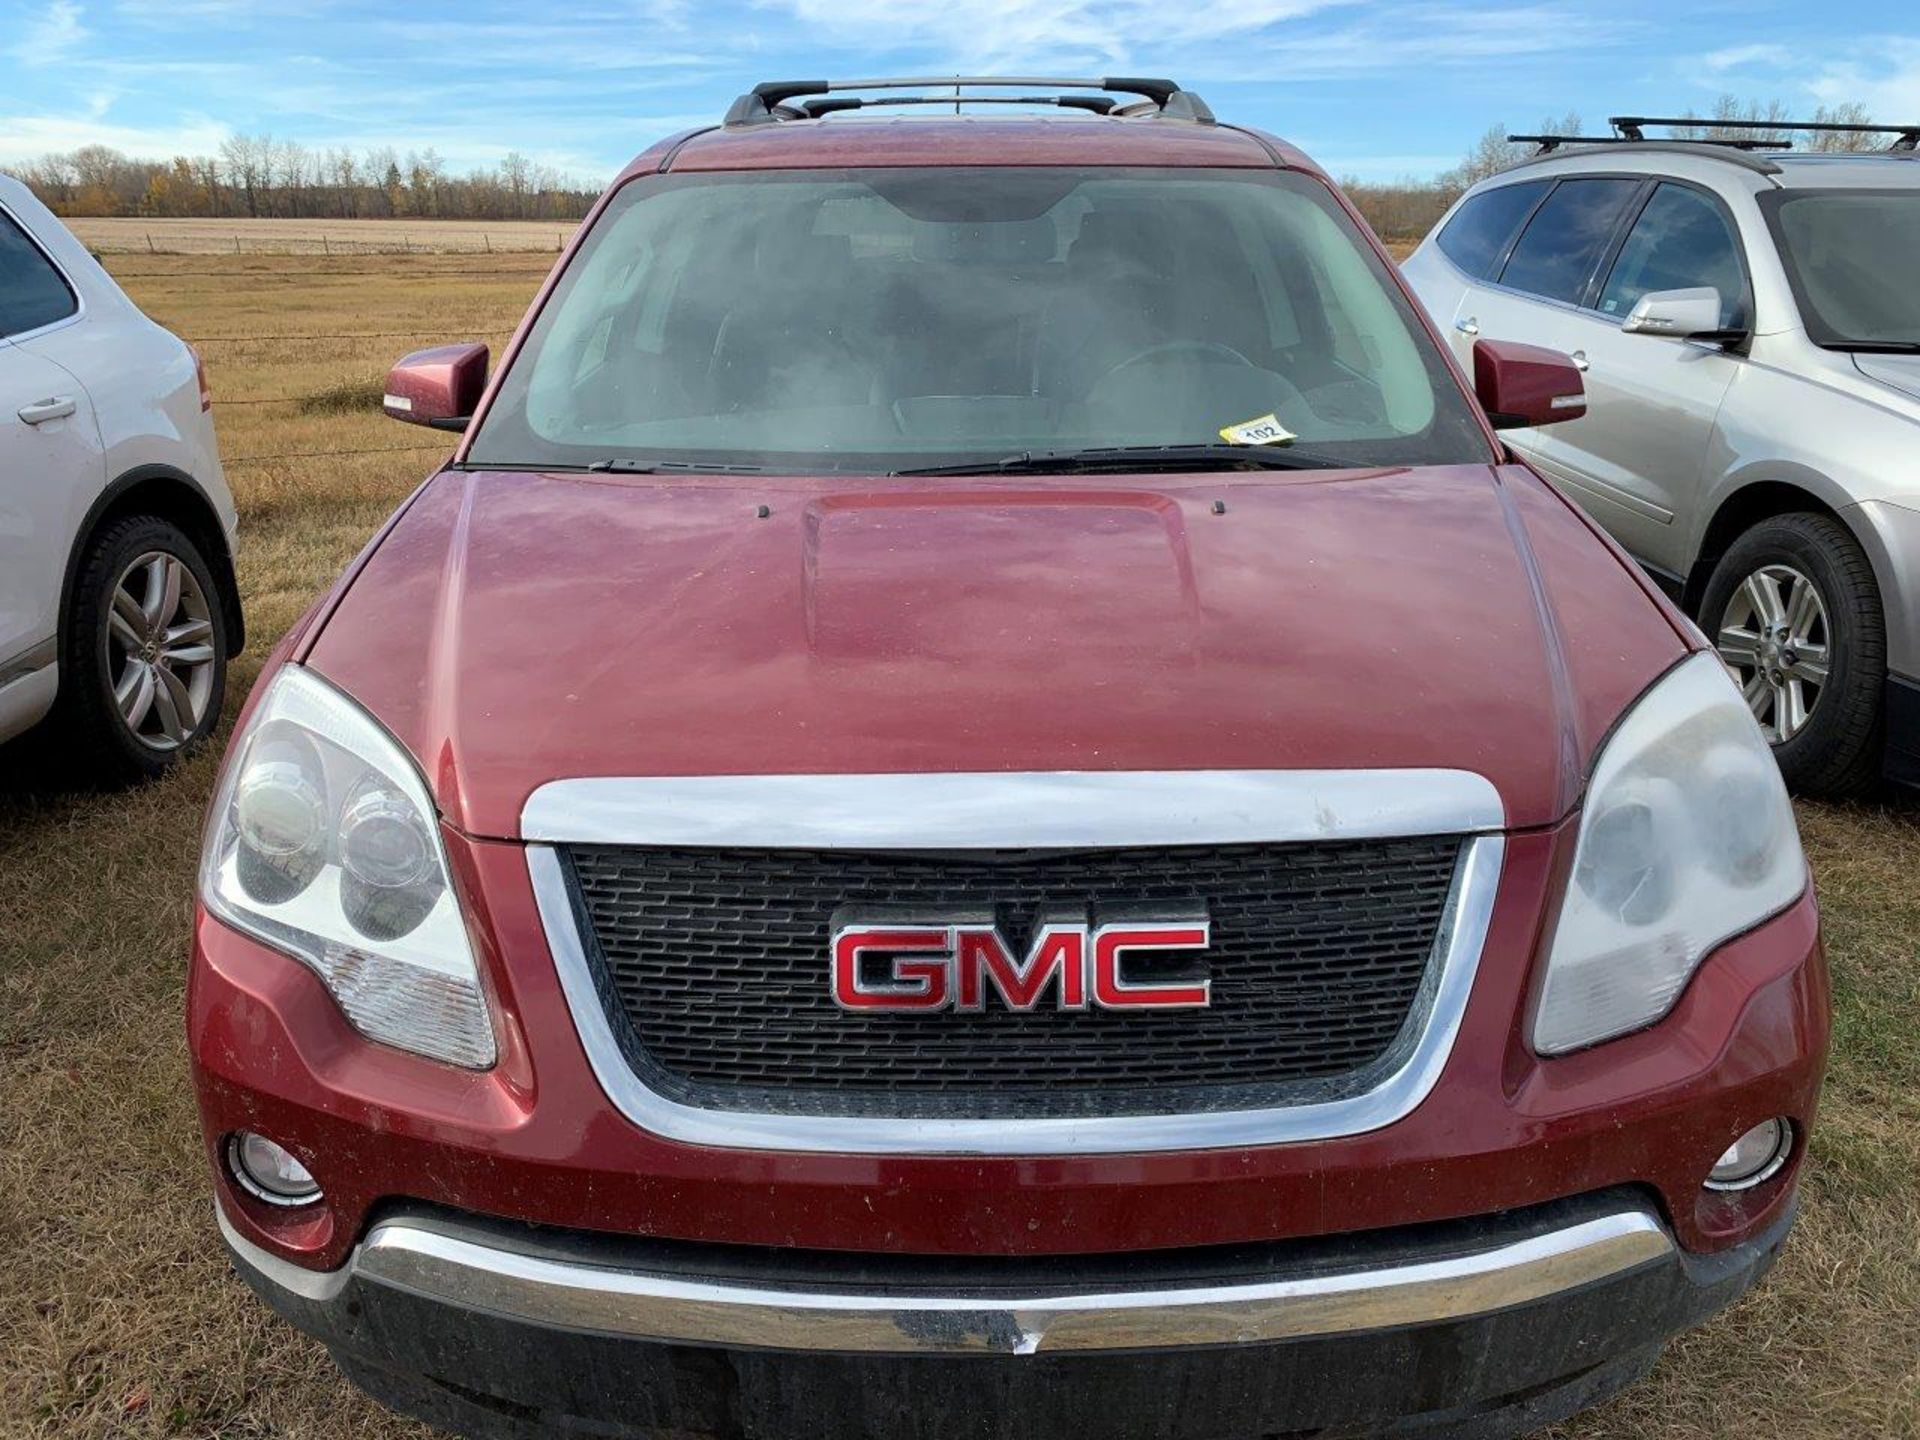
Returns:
(198, 340)
(229, 275)
(270, 458)
(121, 241)
(322, 402)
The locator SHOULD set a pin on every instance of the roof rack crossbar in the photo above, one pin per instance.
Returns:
(1632, 127)
(1550, 143)
(814, 109)
(768, 101)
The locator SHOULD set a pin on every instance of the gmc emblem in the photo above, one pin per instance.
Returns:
(898, 967)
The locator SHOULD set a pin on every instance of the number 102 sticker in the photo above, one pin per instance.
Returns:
(1266, 430)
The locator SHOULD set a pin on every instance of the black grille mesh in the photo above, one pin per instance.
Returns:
(714, 967)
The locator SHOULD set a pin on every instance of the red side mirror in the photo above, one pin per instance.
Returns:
(440, 387)
(1526, 385)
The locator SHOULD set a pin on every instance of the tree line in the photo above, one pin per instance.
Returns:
(257, 176)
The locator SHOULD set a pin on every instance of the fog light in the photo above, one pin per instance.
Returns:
(1754, 1157)
(269, 1172)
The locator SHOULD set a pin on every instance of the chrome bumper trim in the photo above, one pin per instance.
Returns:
(471, 1276)
(1456, 958)
(1098, 809)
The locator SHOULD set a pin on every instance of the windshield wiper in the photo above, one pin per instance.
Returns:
(625, 465)
(1878, 347)
(1138, 458)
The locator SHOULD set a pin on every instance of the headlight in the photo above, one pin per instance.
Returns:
(1686, 839)
(323, 844)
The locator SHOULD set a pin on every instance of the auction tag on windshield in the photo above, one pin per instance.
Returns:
(1267, 430)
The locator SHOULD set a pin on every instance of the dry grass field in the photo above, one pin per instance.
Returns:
(118, 1316)
(114, 235)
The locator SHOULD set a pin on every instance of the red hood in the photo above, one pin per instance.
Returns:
(516, 628)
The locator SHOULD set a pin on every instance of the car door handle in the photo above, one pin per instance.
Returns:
(1469, 326)
(1580, 361)
(56, 407)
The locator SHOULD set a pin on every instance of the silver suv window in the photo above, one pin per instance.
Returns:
(1564, 242)
(1477, 236)
(32, 294)
(1849, 256)
(1680, 242)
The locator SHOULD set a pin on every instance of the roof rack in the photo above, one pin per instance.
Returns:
(1632, 127)
(1550, 143)
(770, 100)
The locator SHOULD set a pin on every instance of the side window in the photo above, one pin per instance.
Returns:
(32, 293)
(1680, 242)
(1567, 236)
(1480, 231)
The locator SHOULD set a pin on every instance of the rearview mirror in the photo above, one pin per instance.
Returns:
(1676, 314)
(440, 387)
(1521, 386)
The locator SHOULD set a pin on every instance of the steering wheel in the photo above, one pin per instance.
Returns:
(1172, 347)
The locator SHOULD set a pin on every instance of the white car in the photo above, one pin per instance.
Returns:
(118, 609)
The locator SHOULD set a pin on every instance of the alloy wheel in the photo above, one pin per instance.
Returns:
(1774, 634)
(160, 650)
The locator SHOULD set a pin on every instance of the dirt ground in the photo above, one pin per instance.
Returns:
(118, 1315)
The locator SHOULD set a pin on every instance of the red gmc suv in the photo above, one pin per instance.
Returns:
(981, 804)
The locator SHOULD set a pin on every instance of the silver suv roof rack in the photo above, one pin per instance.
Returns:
(1550, 143)
(1633, 127)
(1630, 131)
(771, 100)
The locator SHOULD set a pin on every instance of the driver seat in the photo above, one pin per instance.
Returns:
(1115, 302)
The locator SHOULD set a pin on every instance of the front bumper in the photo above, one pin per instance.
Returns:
(1489, 1327)
(537, 1139)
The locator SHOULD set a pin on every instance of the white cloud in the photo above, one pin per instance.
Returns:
(1884, 77)
(51, 36)
(1229, 40)
(986, 35)
(1423, 38)
(1742, 57)
(28, 137)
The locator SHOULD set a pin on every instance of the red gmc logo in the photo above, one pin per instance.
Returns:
(913, 967)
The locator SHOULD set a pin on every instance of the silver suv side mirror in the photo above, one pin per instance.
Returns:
(1676, 314)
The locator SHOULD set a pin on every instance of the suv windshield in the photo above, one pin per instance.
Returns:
(1849, 255)
(877, 320)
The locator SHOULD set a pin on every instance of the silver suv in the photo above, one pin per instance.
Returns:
(1749, 325)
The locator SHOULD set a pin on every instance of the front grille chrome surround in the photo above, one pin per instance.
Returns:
(711, 962)
(1013, 811)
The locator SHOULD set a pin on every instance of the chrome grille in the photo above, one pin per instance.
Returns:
(712, 967)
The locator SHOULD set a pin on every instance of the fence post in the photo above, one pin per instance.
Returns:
(489, 241)
(326, 245)
(236, 242)
(150, 249)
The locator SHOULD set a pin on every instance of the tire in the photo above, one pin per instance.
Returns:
(1830, 743)
(183, 652)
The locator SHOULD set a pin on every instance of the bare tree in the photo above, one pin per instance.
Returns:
(244, 160)
(345, 175)
(1844, 141)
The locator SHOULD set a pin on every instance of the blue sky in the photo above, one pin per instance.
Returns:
(1370, 88)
